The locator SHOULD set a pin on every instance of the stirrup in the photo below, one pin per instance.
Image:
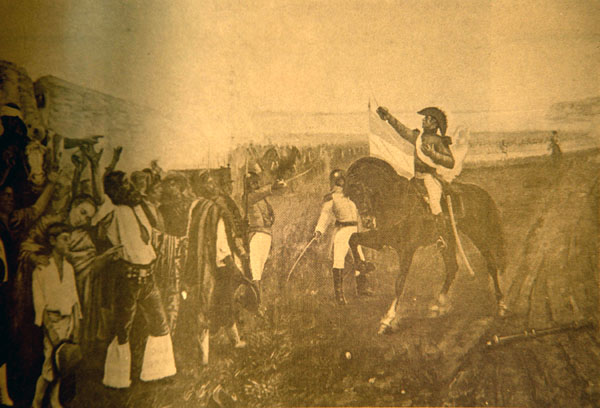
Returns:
(441, 243)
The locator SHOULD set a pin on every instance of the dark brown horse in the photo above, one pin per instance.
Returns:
(402, 220)
(279, 163)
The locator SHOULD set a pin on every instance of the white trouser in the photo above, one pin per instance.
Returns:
(434, 191)
(260, 246)
(341, 246)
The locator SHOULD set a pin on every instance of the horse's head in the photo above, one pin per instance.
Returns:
(270, 159)
(362, 196)
(35, 153)
(377, 190)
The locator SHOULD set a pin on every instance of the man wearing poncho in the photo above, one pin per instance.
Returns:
(211, 272)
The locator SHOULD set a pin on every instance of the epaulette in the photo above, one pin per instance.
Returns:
(327, 197)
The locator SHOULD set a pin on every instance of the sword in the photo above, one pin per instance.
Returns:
(300, 257)
(461, 251)
(298, 175)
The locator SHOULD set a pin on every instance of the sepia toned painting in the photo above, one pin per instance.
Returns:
(288, 203)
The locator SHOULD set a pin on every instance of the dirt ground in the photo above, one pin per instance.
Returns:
(306, 351)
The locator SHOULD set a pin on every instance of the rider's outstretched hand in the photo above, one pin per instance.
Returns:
(383, 113)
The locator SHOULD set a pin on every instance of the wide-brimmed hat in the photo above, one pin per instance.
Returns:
(67, 357)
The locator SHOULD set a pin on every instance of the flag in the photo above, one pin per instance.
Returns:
(386, 144)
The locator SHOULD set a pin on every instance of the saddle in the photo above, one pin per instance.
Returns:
(452, 190)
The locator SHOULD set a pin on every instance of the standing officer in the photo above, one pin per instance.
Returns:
(339, 208)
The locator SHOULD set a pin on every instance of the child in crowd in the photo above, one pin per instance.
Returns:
(57, 308)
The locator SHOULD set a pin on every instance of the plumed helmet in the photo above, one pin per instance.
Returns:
(336, 177)
(439, 115)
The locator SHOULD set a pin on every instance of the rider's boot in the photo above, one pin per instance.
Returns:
(338, 286)
(361, 285)
(441, 228)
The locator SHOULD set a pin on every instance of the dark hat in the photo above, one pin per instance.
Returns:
(67, 357)
(439, 115)
(176, 177)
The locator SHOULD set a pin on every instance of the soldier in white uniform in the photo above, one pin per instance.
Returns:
(260, 216)
(338, 208)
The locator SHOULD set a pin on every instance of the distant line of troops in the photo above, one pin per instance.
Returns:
(79, 257)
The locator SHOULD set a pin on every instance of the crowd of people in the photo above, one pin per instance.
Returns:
(82, 251)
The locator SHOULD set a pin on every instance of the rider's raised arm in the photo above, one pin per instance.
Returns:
(94, 157)
(406, 133)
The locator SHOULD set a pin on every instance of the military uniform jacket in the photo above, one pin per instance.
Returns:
(442, 155)
(260, 212)
(339, 208)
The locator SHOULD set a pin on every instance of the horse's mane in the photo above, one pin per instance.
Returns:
(378, 182)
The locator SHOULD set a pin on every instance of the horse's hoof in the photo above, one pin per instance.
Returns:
(434, 311)
(438, 309)
(502, 309)
(240, 344)
(384, 329)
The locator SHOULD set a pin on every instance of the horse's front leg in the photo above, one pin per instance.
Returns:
(405, 257)
(372, 239)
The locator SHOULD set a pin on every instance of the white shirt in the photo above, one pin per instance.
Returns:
(124, 229)
(223, 250)
(51, 293)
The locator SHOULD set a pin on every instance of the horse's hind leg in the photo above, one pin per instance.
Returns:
(493, 269)
(494, 257)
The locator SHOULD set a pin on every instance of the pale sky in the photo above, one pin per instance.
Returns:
(215, 61)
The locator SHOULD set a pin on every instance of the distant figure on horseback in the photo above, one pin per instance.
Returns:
(431, 150)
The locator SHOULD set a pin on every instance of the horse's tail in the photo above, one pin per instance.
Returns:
(483, 222)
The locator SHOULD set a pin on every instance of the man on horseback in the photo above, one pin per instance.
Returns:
(339, 208)
(431, 150)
